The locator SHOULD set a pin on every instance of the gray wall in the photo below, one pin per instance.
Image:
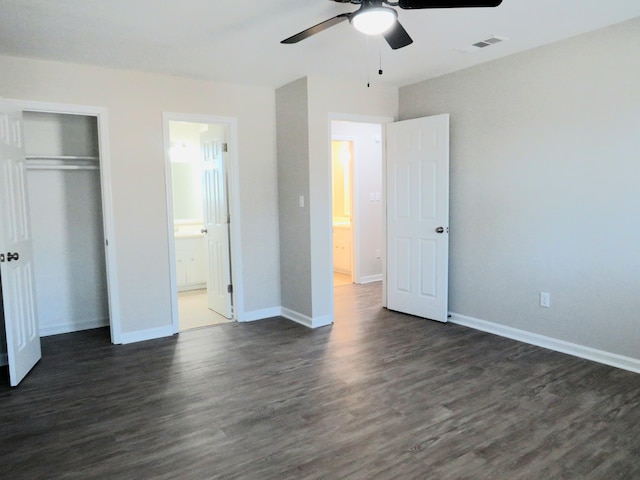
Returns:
(545, 169)
(293, 182)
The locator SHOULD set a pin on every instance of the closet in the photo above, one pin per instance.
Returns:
(65, 211)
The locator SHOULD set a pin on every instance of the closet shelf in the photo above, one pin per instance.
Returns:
(62, 167)
(63, 157)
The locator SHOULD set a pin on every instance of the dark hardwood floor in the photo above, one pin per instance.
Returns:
(378, 395)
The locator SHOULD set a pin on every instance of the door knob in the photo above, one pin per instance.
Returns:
(440, 230)
(203, 230)
(12, 256)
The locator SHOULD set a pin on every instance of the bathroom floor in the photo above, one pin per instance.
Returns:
(193, 310)
(341, 279)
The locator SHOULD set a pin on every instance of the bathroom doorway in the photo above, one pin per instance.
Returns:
(198, 186)
(357, 206)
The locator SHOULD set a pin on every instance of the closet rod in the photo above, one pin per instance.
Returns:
(92, 158)
(62, 167)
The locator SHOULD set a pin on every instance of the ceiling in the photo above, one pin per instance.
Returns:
(238, 41)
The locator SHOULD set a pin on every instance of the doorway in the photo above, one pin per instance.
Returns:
(198, 181)
(415, 179)
(358, 236)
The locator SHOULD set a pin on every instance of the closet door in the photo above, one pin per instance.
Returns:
(16, 265)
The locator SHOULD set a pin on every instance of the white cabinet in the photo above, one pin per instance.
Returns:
(342, 249)
(191, 263)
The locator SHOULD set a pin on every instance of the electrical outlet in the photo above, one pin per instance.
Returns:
(545, 299)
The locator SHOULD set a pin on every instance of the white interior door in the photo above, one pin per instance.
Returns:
(216, 220)
(418, 217)
(16, 255)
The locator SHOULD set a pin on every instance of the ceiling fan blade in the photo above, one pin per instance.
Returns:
(447, 3)
(317, 28)
(397, 36)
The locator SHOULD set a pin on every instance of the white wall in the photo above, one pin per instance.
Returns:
(367, 182)
(544, 188)
(135, 103)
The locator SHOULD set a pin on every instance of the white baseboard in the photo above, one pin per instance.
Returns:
(149, 334)
(195, 286)
(296, 317)
(4, 359)
(371, 278)
(305, 320)
(324, 321)
(73, 327)
(600, 356)
(292, 315)
(263, 314)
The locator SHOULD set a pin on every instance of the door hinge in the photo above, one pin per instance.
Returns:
(228, 218)
(229, 288)
(225, 147)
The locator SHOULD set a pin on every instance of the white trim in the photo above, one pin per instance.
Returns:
(600, 356)
(305, 320)
(150, 334)
(173, 282)
(73, 327)
(297, 317)
(263, 314)
(383, 255)
(234, 209)
(371, 278)
(325, 321)
(101, 114)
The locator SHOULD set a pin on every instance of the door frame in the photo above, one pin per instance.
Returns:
(379, 120)
(233, 195)
(106, 190)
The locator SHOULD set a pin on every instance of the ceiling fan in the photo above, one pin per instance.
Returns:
(376, 17)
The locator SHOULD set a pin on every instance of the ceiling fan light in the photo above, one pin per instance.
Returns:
(374, 20)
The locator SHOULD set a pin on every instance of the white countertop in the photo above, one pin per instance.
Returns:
(188, 235)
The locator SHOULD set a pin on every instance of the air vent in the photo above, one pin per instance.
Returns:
(482, 44)
(493, 40)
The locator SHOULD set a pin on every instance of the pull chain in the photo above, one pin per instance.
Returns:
(368, 54)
